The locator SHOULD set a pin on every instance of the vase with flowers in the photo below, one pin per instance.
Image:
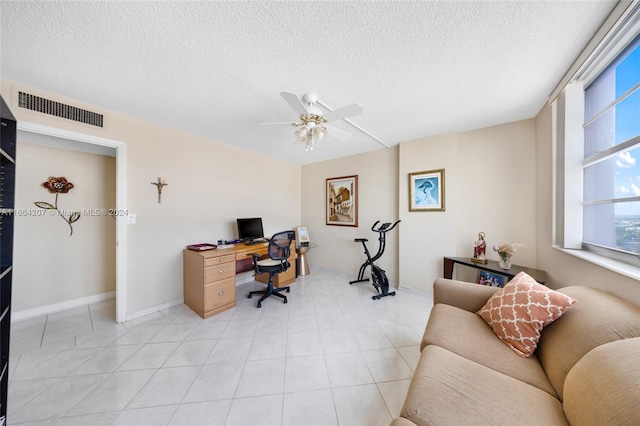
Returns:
(505, 251)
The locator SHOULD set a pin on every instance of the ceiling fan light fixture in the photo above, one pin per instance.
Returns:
(319, 132)
(311, 124)
(302, 134)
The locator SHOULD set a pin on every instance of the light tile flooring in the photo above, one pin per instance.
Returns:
(332, 355)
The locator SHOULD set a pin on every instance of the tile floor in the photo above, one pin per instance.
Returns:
(331, 356)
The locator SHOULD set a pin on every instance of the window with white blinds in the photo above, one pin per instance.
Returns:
(611, 165)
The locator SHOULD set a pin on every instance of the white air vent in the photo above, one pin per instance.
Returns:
(58, 109)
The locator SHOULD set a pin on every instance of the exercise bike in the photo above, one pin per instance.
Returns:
(378, 276)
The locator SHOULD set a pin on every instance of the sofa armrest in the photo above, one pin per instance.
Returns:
(464, 295)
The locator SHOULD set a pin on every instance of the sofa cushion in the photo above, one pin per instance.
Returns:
(597, 318)
(447, 389)
(401, 421)
(603, 388)
(467, 335)
(518, 312)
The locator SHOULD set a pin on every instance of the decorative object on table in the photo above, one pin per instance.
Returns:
(160, 184)
(427, 191)
(59, 185)
(479, 249)
(342, 201)
(491, 279)
(505, 251)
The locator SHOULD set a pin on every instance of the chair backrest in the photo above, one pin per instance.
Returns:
(279, 245)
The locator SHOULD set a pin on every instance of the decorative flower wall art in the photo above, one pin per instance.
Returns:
(59, 185)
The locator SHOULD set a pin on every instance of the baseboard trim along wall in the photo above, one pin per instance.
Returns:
(425, 293)
(154, 309)
(62, 306)
(103, 297)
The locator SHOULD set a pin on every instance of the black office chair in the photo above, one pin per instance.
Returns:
(279, 250)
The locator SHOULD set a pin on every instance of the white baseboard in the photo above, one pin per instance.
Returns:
(61, 306)
(154, 309)
(425, 293)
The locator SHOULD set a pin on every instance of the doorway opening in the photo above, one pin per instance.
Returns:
(89, 143)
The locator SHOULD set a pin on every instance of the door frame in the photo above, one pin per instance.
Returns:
(121, 200)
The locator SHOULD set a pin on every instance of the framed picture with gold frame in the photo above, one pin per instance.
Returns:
(342, 201)
(427, 191)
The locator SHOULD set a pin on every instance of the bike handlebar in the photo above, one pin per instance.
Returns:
(384, 228)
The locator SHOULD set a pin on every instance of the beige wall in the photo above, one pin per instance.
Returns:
(50, 266)
(564, 269)
(496, 190)
(498, 180)
(427, 236)
(210, 185)
(378, 191)
(490, 186)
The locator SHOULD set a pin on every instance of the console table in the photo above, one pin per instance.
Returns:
(492, 266)
(209, 277)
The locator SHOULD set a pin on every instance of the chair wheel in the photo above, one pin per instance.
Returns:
(285, 300)
(259, 305)
(249, 296)
(288, 290)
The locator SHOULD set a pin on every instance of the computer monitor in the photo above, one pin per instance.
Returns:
(250, 228)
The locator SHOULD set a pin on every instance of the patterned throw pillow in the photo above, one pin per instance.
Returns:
(518, 312)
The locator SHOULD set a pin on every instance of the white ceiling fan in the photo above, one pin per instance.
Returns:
(313, 122)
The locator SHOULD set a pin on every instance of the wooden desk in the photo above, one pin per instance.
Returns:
(493, 266)
(209, 277)
(209, 281)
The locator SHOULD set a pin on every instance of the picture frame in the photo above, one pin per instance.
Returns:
(491, 279)
(427, 191)
(342, 201)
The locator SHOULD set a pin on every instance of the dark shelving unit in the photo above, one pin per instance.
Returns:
(7, 191)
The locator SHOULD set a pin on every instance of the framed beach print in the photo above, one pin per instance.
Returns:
(426, 191)
(342, 201)
(491, 279)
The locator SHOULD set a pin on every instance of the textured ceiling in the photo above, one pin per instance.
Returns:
(216, 69)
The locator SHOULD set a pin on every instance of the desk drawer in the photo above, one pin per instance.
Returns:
(247, 254)
(218, 260)
(219, 272)
(219, 294)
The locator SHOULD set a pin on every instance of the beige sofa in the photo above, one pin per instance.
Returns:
(585, 371)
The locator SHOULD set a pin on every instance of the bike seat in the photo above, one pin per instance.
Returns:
(360, 240)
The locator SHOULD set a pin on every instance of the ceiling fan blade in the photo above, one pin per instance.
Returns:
(337, 133)
(288, 123)
(344, 112)
(295, 102)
